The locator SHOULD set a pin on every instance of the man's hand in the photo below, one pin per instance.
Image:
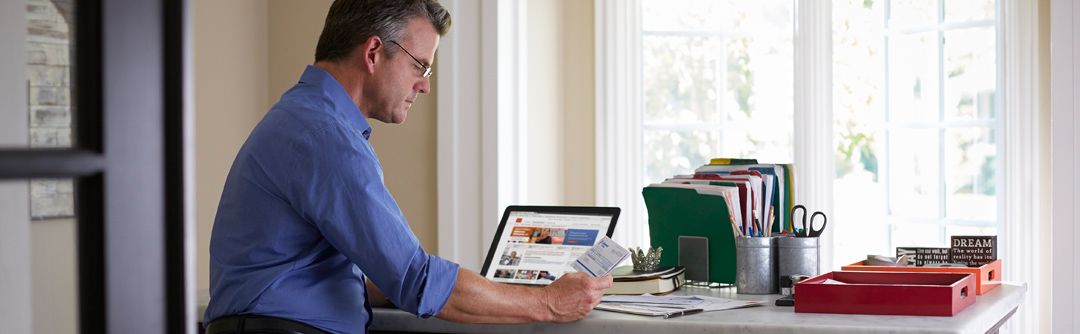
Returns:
(572, 296)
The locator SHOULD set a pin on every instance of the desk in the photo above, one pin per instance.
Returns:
(989, 312)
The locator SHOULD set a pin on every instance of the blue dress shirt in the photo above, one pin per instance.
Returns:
(305, 215)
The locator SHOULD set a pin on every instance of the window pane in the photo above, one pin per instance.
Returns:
(758, 98)
(49, 50)
(913, 173)
(967, 10)
(970, 73)
(52, 199)
(951, 230)
(681, 78)
(673, 16)
(859, 86)
(913, 78)
(727, 81)
(858, 220)
(765, 17)
(906, 13)
(970, 190)
(858, 237)
(765, 139)
(917, 235)
(668, 152)
(736, 75)
(858, 55)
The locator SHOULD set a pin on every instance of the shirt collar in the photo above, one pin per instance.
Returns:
(343, 103)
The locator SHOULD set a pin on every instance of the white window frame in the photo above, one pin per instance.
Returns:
(618, 127)
(1065, 143)
(1021, 199)
(618, 117)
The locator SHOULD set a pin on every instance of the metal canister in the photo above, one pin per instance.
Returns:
(755, 267)
(797, 256)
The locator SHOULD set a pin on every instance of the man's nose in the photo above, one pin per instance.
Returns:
(423, 86)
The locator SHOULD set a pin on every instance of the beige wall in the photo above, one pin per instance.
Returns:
(293, 28)
(561, 102)
(230, 41)
(248, 52)
(578, 52)
(54, 270)
(407, 153)
(544, 99)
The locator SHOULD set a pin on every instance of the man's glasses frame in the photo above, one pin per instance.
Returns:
(427, 68)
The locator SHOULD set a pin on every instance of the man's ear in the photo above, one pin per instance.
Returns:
(370, 53)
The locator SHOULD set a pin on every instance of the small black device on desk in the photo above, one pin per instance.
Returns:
(787, 288)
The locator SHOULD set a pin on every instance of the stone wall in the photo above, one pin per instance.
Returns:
(48, 73)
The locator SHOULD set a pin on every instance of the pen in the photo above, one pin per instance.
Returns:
(682, 313)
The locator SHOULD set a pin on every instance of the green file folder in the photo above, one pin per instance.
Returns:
(675, 212)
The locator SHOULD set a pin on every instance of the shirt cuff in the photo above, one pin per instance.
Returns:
(441, 277)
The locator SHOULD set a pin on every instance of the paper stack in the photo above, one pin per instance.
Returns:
(670, 306)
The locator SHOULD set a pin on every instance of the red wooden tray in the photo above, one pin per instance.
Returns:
(889, 293)
(988, 276)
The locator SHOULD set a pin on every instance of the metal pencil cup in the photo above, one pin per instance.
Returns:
(755, 271)
(798, 256)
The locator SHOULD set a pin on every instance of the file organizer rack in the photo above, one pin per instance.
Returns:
(675, 212)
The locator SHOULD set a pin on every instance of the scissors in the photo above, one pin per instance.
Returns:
(808, 230)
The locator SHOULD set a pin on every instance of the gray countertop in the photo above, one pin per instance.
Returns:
(988, 312)
(985, 315)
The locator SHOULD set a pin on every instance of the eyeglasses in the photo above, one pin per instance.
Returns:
(427, 69)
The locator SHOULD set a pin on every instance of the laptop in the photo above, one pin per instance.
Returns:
(534, 245)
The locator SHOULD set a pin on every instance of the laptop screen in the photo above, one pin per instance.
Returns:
(535, 245)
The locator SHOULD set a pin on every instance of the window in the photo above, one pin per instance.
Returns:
(914, 109)
(50, 25)
(94, 201)
(924, 117)
(717, 79)
(915, 123)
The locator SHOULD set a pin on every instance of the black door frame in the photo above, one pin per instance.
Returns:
(132, 108)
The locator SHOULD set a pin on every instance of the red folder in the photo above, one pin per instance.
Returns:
(746, 195)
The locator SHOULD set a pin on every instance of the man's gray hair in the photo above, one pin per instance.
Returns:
(351, 22)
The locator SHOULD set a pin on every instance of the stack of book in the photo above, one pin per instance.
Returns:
(627, 281)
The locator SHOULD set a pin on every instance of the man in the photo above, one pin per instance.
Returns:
(307, 237)
(510, 259)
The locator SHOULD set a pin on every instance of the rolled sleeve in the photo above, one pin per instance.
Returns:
(441, 277)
